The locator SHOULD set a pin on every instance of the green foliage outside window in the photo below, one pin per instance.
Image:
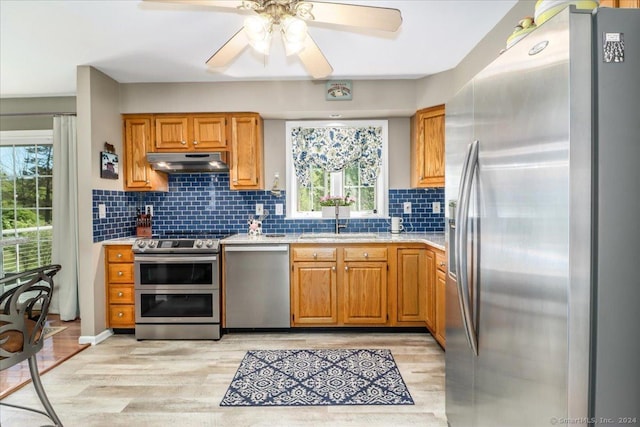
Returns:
(26, 195)
(309, 197)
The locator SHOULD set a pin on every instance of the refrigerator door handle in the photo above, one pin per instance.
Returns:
(461, 236)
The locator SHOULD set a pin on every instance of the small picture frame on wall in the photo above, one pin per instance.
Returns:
(108, 165)
(339, 90)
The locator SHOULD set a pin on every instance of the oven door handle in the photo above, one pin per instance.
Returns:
(168, 259)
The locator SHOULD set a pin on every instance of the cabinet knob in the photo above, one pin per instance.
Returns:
(195, 142)
(333, 268)
(148, 182)
(120, 314)
(346, 268)
(183, 142)
(366, 255)
(442, 264)
(315, 255)
(119, 255)
(120, 273)
(120, 294)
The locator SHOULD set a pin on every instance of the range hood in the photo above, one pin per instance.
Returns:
(187, 162)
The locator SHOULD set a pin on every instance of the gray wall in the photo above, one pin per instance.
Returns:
(33, 113)
(99, 121)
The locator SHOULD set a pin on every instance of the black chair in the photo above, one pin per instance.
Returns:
(24, 306)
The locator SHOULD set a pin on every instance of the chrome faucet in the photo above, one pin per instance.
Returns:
(338, 225)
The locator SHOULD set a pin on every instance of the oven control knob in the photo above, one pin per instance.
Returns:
(140, 243)
(209, 243)
(152, 243)
(198, 243)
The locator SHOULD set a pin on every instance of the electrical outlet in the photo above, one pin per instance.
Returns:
(259, 209)
(148, 209)
(279, 208)
(102, 211)
(436, 207)
(407, 207)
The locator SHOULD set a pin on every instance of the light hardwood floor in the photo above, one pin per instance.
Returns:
(124, 382)
(55, 350)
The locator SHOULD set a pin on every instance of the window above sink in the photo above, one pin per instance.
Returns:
(337, 171)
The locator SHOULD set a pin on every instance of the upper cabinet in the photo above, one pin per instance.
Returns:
(427, 147)
(620, 3)
(237, 135)
(138, 140)
(246, 169)
(190, 132)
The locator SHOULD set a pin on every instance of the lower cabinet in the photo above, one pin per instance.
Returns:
(314, 293)
(364, 294)
(440, 291)
(119, 283)
(412, 284)
(337, 286)
(369, 285)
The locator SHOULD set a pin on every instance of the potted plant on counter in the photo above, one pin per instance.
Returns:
(342, 204)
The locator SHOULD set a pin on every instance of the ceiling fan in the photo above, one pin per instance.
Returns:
(291, 16)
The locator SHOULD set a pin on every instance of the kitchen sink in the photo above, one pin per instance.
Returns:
(341, 236)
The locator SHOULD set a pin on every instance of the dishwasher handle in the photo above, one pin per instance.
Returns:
(254, 248)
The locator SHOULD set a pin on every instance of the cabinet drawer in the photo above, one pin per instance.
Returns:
(122, 294)
(121, 316)
(441, 261)
(314, 254)
(119, 253)
(365, 254)
(120, 273)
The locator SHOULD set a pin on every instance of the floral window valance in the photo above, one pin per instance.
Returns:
(333, 149)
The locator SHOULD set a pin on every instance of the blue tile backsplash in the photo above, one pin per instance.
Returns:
(203, 202)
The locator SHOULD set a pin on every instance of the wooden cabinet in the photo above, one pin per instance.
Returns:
(119, 284)
(138, 137)
(190, 132)
(238, 136)
(314, 298)
(427, 147)
(440, 291)
(246, 169)
(430, 291)
(364, 286)
(411, 284)
(620, 3)
(334, 286)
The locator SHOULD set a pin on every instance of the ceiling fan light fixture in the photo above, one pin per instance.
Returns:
(294, 33)
(258, 30)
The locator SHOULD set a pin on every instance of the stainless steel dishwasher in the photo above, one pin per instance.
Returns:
(257, 286)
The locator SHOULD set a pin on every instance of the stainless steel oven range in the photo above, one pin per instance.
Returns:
(177, 288)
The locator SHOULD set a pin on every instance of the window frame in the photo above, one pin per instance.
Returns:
(28, 138)
(382, 183)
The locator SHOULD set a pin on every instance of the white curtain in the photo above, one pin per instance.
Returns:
(65, 217)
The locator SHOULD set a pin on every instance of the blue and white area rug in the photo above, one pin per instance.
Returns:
(317, 377)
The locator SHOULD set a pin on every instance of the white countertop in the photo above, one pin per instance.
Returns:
(433, 239)
(120, 241)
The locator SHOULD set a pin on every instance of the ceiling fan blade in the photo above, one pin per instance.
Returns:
(313, 59)
(377, 18)
(215, 3)
(229, 50)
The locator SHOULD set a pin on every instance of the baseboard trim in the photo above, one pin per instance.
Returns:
(96, 339)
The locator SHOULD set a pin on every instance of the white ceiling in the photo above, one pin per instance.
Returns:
(42, 43)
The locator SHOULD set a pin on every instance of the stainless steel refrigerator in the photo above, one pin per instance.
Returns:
(543, 287)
